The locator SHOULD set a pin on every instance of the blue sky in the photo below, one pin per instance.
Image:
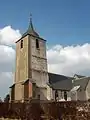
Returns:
(65, 22)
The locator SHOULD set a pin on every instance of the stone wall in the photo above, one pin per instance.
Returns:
(22, 60)
(31, 62)
(39, 62)
(88, 91)
(22, 66)
(19, 88)
(49, 93)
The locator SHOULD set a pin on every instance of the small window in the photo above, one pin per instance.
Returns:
(37, 43)
(65, 95)
(21, 43)
(56, 95)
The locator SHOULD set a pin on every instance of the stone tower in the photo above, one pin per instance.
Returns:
(31, 73)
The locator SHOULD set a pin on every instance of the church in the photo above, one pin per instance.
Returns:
(32, 79)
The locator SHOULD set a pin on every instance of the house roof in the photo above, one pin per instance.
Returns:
(82, 82)
(75, 88)
(32, 81)
(63, 85)
(61, 82)
(78, 76)
(53, 78)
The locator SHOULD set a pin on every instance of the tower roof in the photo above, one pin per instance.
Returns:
(30, 29)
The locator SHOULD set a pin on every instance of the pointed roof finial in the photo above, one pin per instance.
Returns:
(30, 24)
(30, 29)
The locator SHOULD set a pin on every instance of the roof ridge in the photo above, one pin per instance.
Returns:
(58, 74)
(82, 78)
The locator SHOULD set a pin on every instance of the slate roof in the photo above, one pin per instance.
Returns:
(60, 82)
(30, 30)
(32, 81)
(78, 76)
(82, 82)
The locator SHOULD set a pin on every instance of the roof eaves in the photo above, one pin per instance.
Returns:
(25, 81)
(12, 85)
(30, 35)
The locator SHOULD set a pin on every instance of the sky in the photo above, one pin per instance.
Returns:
(65, 24)
(58, 21)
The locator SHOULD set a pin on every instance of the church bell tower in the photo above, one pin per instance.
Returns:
(31, 73)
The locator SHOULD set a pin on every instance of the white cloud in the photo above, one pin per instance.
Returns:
(8, 35)
(7, 58)
(69, 60)
(5, 82)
